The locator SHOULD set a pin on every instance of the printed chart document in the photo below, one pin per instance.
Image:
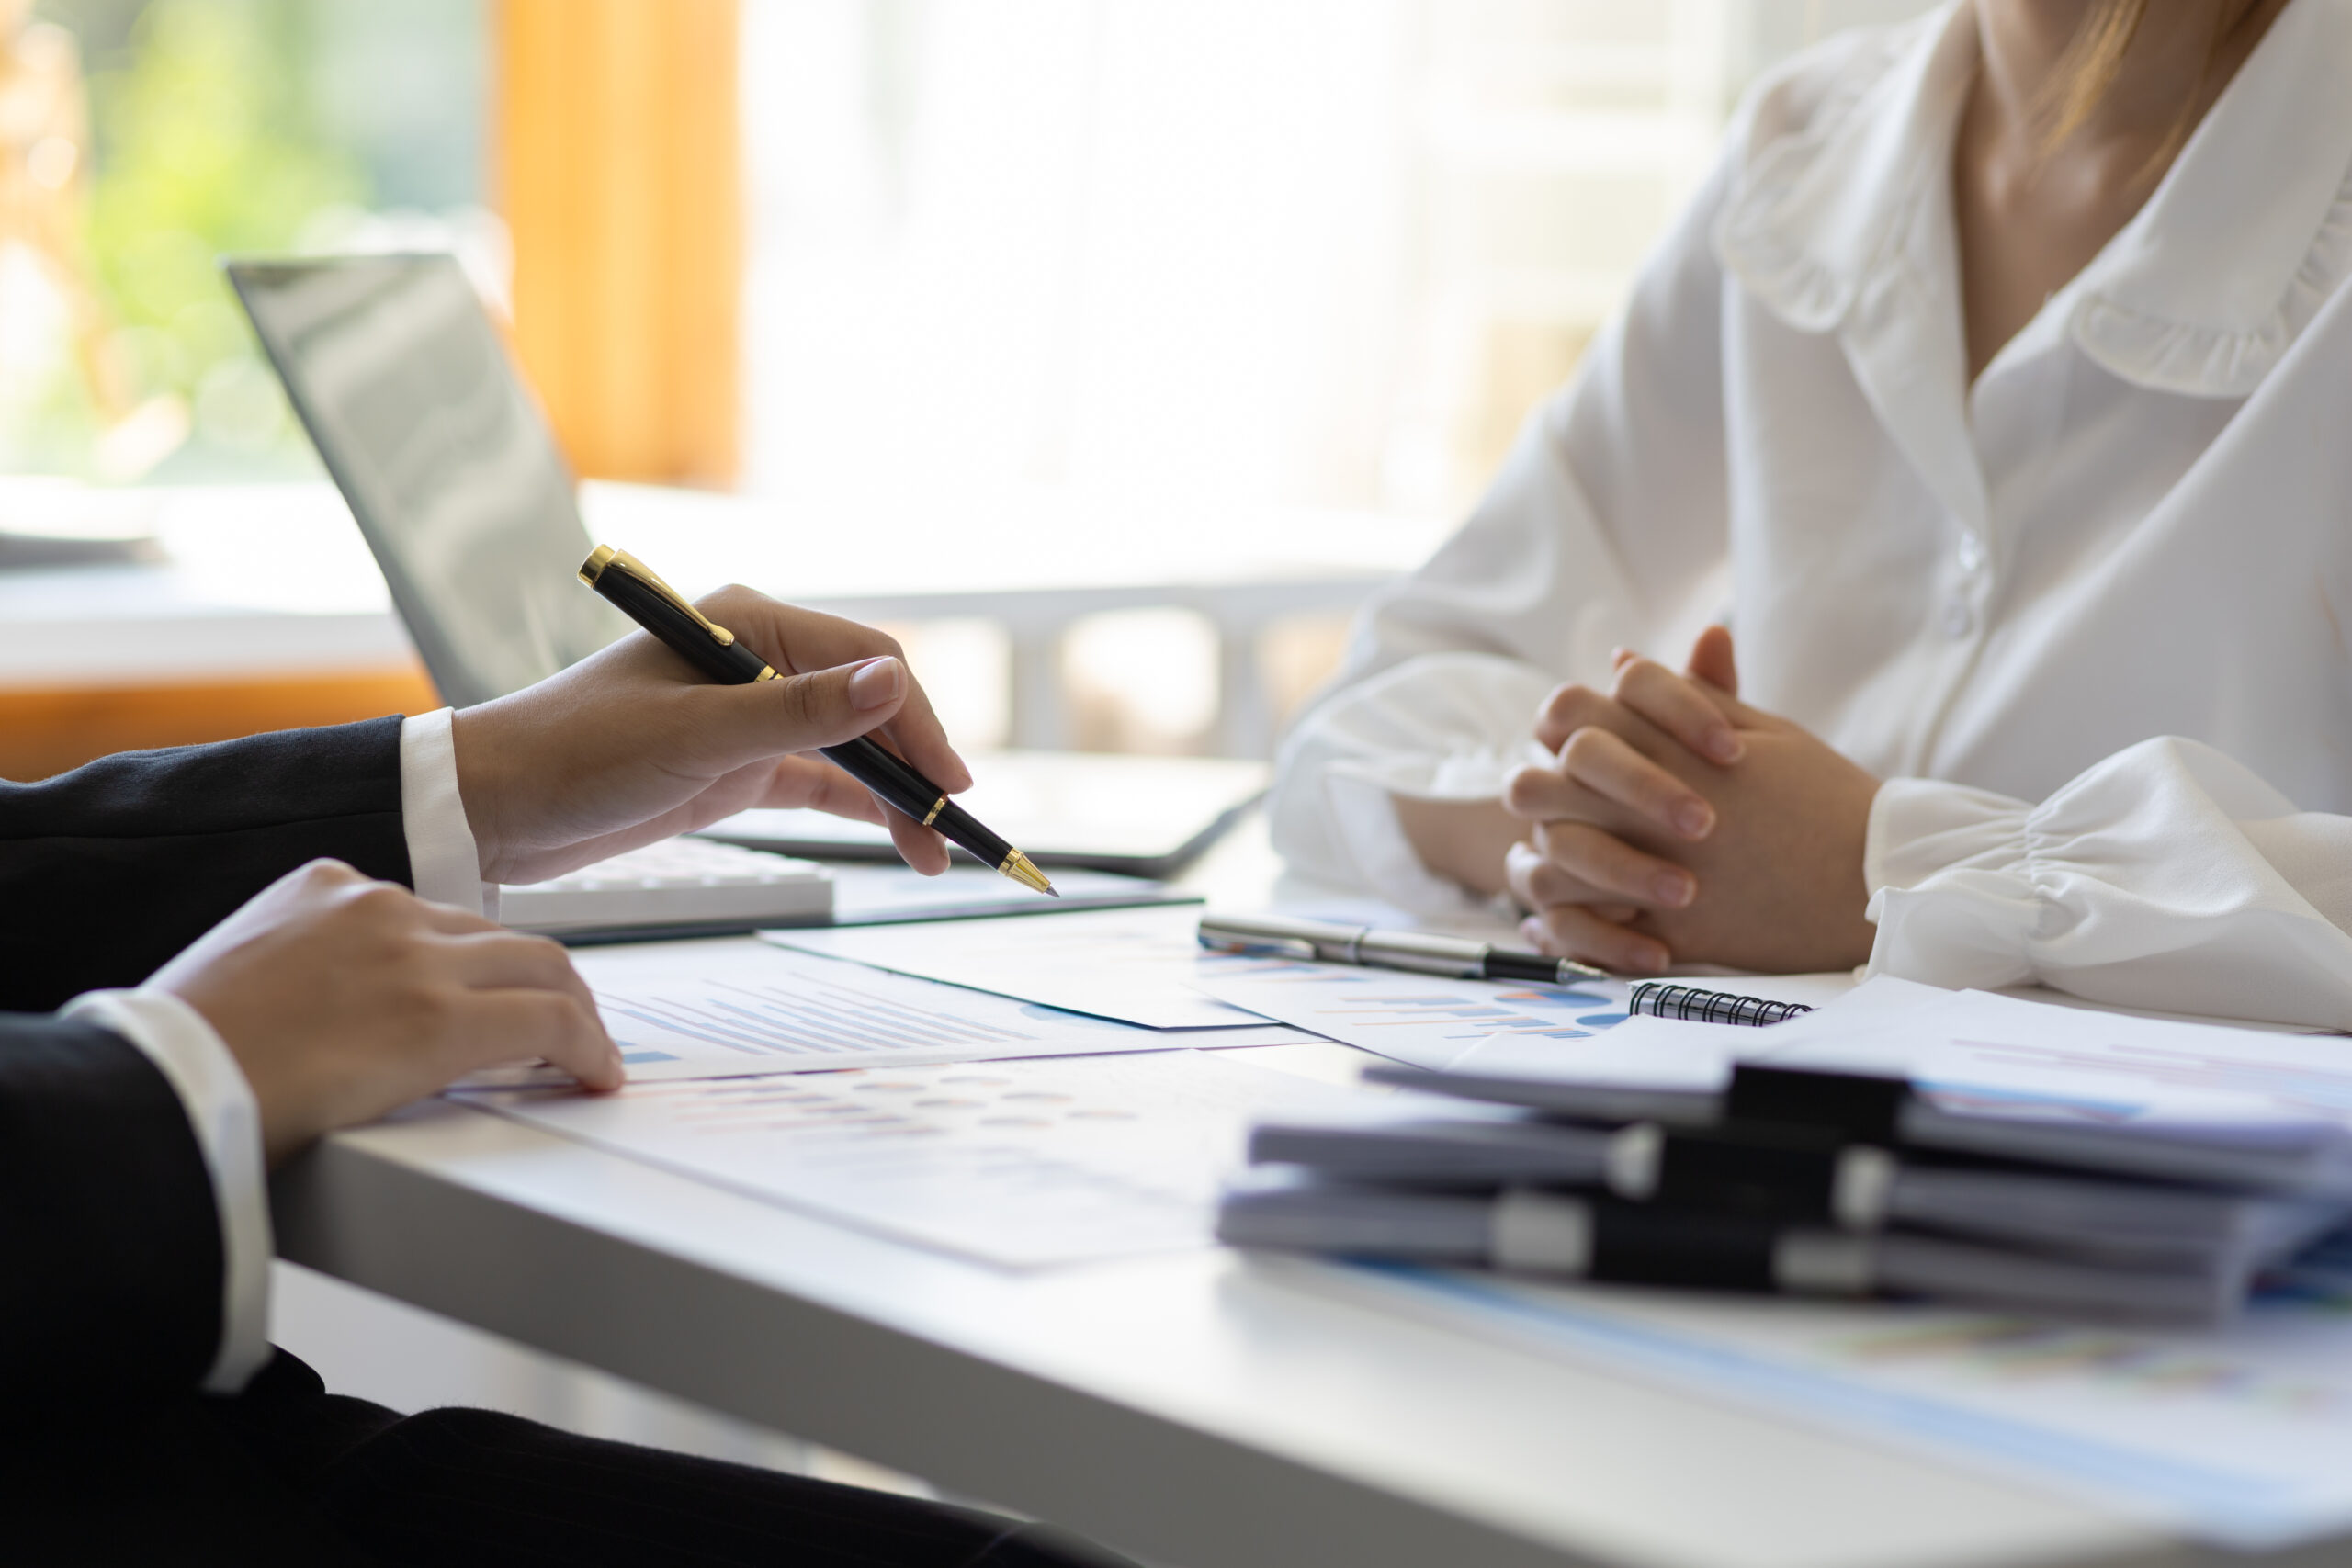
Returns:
(738, 1006)
(2242, 1436)
(1998, 1057)
(1017, 1164)
(1966, 1049)
(1421, 1021)
(1974, 1045)
(1138, 966)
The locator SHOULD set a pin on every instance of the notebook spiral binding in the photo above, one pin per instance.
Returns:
(1692, 1005)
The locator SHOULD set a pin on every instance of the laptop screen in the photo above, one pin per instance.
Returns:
(444, 457)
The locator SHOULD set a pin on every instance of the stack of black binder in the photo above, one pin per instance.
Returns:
(1794, 1180)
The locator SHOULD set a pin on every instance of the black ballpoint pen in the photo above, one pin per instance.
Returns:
(713, 650)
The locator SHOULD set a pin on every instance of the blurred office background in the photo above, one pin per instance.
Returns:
(911, 267)
(1229, 299)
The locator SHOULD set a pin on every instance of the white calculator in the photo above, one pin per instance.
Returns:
(692, 883)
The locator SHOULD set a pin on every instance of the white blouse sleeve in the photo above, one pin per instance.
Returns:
(2168, 876)
(1607, 524)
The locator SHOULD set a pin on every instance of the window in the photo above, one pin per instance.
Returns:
(162, 134)
(1313, 251)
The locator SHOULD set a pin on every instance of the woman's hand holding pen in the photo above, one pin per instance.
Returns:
(1679, 824)
(633, 745)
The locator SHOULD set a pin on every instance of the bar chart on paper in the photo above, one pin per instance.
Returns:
(738, 1006)
(1423, 1022)
(800, 1013)
(1019, 1164)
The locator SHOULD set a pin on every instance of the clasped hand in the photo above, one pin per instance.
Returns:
(1678, 825)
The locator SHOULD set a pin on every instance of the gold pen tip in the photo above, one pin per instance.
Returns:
(1019, 867)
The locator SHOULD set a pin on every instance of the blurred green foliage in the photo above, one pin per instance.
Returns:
(204, 148)
(229, 127)
(204, 144)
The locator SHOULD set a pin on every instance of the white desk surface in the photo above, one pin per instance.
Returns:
(264, 579)
(1206, 1411)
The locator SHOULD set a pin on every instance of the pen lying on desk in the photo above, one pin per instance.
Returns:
(1424, 953)
(659, 609)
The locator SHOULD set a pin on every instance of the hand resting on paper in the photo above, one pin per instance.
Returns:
(1678, 824)
(631, 745)
(344, 997)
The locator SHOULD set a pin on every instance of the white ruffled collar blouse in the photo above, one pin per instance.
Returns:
(2202, 293)
(2116, 567)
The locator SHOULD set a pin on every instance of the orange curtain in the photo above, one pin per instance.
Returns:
(617, 168)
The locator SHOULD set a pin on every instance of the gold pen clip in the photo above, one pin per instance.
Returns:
(604, 555)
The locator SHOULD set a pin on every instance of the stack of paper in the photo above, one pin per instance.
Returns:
(1902, 1141)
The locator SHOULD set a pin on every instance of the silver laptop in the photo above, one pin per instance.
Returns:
(445, 459)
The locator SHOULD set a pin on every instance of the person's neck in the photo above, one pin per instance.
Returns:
(2024, 46)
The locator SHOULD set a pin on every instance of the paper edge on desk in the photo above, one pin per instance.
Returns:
(1617, 1343)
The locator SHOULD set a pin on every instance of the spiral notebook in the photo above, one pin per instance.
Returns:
(1690, 1004)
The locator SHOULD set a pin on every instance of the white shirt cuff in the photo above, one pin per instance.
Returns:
(1919, 828)
(1951, 889)
(444, 863)
(227, 1124)
(2166, 876)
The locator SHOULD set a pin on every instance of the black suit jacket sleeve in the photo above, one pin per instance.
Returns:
(110, 1266)
(109, 870)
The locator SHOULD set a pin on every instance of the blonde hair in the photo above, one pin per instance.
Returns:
(2088, 70)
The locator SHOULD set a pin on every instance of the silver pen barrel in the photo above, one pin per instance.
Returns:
(1426, 954)
(1291, 937)
(1331, 942)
